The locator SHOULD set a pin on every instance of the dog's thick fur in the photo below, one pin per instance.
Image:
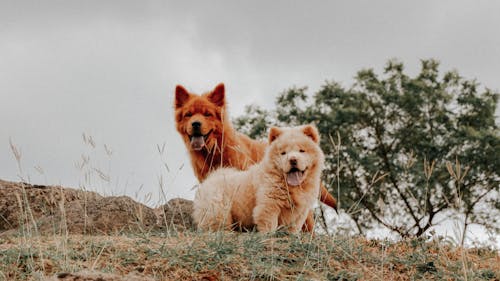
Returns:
(278, 191)
(223, 146)
(214, 143)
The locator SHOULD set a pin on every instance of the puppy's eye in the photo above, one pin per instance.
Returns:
(283, 153)
(207, 114)
(302, 151)
(188, 114)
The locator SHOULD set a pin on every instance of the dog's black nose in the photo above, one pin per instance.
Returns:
(196, 125)
(293, 162)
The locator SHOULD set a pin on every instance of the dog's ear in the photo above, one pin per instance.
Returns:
(217, 96)
(311, 132)
(181, 96)
(274, 133)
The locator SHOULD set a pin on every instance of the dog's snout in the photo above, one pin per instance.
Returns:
(293, 162)
(196, 125)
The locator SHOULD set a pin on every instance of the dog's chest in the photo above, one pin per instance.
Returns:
(291, 209)
(289, 197)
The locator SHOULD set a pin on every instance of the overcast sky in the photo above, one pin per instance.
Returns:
(108, 69)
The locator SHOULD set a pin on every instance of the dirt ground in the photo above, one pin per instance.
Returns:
(58, 210)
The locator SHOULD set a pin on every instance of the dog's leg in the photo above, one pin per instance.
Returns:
(308, 225)
(266, 218)
(299, 221)
(327, 198)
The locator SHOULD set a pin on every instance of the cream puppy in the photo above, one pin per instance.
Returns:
(277, 192)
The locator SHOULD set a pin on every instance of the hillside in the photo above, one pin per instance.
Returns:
(56, 233)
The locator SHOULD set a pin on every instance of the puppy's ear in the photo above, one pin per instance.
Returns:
(311, 132)
(274, 133)
(181, 96)
(217, 96)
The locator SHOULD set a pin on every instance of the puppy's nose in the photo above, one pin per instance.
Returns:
(196, 125)
(293, 162)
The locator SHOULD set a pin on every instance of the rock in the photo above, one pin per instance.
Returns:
(26, 204)
(176, 215)
(56, 210)
(109, 215)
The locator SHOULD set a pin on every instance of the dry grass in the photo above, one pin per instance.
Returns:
(243, 256)
(187, 255)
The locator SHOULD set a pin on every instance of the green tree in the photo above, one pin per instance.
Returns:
(402, 149)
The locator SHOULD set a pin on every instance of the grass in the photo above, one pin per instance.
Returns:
(244, 256)
(190, 255)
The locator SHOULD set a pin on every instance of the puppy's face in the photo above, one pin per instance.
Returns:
(295, 151)
(199, 119)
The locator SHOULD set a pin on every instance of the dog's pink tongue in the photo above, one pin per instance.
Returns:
(294, 178)
(197, 143)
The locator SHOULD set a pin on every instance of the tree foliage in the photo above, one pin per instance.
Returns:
(405, 151)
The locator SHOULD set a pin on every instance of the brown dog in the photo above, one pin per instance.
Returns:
(212, 142)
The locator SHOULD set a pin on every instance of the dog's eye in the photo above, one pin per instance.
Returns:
(207, 114)
(283, 153)
(302, 151)
(188, 114)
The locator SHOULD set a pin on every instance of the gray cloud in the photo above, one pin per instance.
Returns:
(109, 69)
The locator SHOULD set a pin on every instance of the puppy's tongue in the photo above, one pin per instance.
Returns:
(197, 143)
(294, 178)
